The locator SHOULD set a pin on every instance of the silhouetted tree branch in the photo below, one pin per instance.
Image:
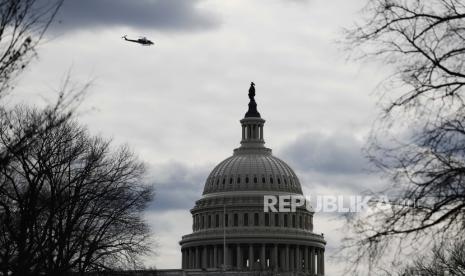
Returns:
(22, 25)
(420, 144)
(445, 259)
(424, 40)
(68, 201)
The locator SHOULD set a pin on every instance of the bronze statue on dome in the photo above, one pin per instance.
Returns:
(252, 91)
(252, 112)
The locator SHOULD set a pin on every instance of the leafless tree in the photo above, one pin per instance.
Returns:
(69, 202)
(445, 259)
(424, 40)
(22, 26)
(424, 157)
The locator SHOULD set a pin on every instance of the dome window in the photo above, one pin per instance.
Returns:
(263, 180)
(224, 180)
(247, 180)
(246, 219)
(236, 220)
(271, 179)
(230, 180)
(238, 180)
(279, 180)
(255, 219)
(255, 180)
(217, 220)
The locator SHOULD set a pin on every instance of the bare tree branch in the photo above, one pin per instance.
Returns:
(69, 202)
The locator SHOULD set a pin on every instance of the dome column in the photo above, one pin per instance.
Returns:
(226, 261)
(321, 268)
(211, 257)
(183, 262)
(322, 261)
(186, 263)
(215, 255)
(192, 258)
(291, 259)
(275, 257)
(286, 262)
(220, 256)
(204, 257)
(306, 259)
(282, 258)
(251, 257)
(312, 261)
(197, 257)
(297, 259)
(263, 256)
(239, 256)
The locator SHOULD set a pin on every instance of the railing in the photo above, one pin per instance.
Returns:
(252, 231)
(194, 272)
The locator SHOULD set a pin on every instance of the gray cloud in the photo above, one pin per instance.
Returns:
(332, 164)
(146, 14)
(177, 186)
(335, 154)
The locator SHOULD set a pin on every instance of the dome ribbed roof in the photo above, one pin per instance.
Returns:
(255, 170)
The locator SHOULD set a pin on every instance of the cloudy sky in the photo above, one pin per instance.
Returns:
(179, 102)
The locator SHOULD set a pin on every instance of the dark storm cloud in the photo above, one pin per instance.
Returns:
(326, 154)
(332, 164)
(144, 14)
(177, 186)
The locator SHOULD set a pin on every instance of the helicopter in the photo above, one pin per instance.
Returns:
(142, 40)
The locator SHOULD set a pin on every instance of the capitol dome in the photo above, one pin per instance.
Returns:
(232, 231)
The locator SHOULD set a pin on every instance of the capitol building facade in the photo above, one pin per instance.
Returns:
(231, 232)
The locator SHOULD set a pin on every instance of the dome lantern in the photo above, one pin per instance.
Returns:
(252, 124)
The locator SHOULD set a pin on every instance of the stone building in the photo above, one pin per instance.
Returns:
(232, 232)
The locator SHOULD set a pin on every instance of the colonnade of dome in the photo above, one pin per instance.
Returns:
(252, 256)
